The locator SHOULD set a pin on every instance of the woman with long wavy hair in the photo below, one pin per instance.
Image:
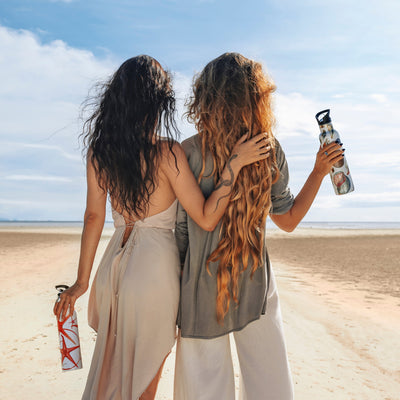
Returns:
(227, 284)
(134, 297)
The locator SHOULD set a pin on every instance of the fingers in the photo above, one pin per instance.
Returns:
(335, 153)
(257, 142)
(262, 148)
(259, 137)
(66, 310)
(334, 158)
(331, 149)
(242, 139)
(55, 309)
(255, 149)
(263, 156)
(58, 307)
(265, 151)
(72, 306)
(328, 148)
(64, 307)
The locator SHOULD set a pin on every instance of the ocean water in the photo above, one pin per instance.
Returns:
(270, 224)
(48, 224)
(347, 225)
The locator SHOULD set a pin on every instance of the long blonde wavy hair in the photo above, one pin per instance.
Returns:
(231, 97)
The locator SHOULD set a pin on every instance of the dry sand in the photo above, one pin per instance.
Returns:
(340, 299)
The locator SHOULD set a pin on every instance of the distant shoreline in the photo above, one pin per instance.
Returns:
(325, 225)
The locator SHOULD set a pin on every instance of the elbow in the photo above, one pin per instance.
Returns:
(288, 228)
(286, 222)
(207, 226)
(92, 217)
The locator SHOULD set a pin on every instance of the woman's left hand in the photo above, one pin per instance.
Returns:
(327, 156)
(252, 150)
(65, 305)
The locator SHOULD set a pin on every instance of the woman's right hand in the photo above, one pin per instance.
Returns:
(327, 156)
(65, 305)
(250, 151)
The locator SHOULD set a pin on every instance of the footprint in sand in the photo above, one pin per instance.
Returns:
(30, 339)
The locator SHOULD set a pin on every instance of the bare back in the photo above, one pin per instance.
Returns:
(163, 195)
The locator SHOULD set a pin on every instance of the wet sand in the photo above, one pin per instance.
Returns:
(340, 300)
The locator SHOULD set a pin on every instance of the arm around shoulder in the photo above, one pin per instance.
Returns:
(186, 188)
(208, 213)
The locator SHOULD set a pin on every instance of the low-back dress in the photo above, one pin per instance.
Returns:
(133, 307)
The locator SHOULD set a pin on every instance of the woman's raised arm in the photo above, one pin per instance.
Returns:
(327, 156)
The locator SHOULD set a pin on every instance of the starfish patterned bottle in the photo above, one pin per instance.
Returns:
(70, 348)
(340, 173)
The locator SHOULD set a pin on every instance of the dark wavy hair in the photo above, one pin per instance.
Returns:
(120, 137)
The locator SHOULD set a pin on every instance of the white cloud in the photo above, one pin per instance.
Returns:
(379, 160)
(294, 114)
(44, 84)
(44, 87)
(354, 198)
(342, 95)
(52, 71)
(182, 87)
(379, 97)
(21, 148)
(42, 178)
(40, 96)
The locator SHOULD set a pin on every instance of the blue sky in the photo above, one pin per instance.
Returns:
(343, 55)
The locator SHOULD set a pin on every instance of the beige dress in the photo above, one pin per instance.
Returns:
(133, 307)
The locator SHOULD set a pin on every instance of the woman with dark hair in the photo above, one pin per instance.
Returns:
(227, 284)
(134, 297)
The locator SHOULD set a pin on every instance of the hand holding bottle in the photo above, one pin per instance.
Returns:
(67, 323)
(340, 173)
(64, 306)
(327, 156)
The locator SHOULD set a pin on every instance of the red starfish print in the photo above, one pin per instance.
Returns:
(66, 353)
(74, 322)
(64, 331)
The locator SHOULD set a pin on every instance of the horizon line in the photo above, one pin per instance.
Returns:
(111, 221)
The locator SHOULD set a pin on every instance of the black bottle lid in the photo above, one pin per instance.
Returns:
(323, 117)
(61, 288)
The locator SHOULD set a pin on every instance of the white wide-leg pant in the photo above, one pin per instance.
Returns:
(204, 369)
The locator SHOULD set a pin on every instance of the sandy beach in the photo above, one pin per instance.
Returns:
(340, 300)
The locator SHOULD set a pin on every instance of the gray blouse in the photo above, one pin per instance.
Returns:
(197, 309)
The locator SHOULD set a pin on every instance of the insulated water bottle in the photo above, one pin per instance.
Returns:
(340, 173)
(70, 348)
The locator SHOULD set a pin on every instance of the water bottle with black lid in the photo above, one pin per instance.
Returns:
(340, 173)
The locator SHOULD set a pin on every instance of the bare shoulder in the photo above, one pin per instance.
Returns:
(172, 156)
(169, 151)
